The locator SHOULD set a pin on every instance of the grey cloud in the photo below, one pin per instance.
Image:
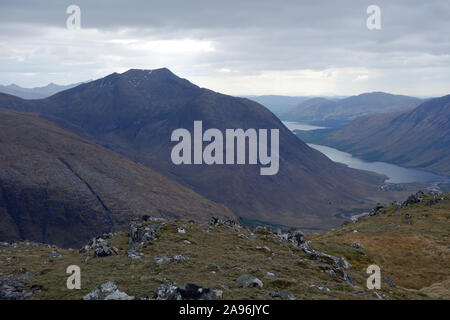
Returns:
(249, 36)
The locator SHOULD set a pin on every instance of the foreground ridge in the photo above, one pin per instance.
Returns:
(170, 259)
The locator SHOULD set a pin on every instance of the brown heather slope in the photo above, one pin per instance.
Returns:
(134, 113)
(217, 257)
(56, 187)
(413, 252)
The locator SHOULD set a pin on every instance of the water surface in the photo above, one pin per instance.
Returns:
(396, 174)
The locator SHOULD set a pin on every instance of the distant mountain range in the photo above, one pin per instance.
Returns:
(134, 114)
(277, 103)
(35, 93)
(322, 109)
(58, 188)
(419, 138)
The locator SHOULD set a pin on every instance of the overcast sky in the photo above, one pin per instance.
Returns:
(300, 47)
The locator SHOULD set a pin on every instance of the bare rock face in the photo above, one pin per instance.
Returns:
(141, 232)
(107, 291)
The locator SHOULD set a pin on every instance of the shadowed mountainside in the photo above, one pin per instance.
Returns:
(321, 109)
(419, 138)
(134, 113)
(56, 187)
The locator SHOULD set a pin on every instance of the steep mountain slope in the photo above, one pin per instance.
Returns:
(59, 188)
(349, 108)
(419, 138)
(134, 113)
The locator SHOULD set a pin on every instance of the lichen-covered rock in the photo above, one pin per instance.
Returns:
(247, 280)
(294, 236)
(107, 291)
(140, 233)
(281, 294)
(11, 289)
(167, 292)
(161, 260)
(191, 291)
(103, 249)
(188, 291)
(180, 257)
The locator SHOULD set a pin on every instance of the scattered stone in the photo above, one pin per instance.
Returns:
(331, 272)
(337, 262)
(103, 249)
(187, 242)
(408, 216)
(247, 280)
(180, 257)
(321, 288)
(134, 255)
(389, 282)
(377, 211)
(412, 199)
(191, 291)
(140, 233)
(107, 291)
(218, 294)
(296, 237)
(188, 291)
(271, 275)
(281, 294)
(161, 260)
(357, 245)
(167, 292)
(348, 279)
(53, 254)
(11, 289)
(214, 222)
(181, 230)
(265, 248)
(24, 276)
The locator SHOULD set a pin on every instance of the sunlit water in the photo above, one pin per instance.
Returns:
(300, 126)
(395, 174)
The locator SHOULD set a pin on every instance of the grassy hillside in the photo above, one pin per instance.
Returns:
(413, 253)
(411, 245)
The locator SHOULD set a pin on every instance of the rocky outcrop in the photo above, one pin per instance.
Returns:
(107, 291)
(141, 232)
(188, 291)
(248, 281)
(100, 246)
(214, 222)
(11, 289)
(412, 199)
(281, 294)
(293, 236)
